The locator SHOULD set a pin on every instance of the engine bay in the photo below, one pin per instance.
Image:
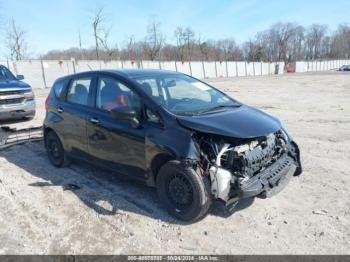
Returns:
(230, 163)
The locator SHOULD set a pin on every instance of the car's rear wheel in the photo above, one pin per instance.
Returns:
(55, 150)
(184, 192)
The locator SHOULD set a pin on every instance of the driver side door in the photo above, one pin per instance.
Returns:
(115, 144)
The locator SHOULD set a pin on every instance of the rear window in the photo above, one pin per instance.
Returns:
(78, 91)
(58, 88)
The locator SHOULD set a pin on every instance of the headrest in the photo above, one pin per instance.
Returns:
(147, 88)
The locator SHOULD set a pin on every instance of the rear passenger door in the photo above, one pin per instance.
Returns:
(74, 111)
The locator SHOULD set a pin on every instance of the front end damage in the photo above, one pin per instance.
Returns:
(242, 168)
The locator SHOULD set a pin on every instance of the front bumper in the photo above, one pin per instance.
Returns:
(269, 182)
(25, 109)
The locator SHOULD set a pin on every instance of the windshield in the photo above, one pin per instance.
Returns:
(5, 74)
(185, 95)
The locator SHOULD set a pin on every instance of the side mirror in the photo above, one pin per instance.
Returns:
(125, 113)
(20, 77)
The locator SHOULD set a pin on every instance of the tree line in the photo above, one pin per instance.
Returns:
(283, 41)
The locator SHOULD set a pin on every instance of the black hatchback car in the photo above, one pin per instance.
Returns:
(192, 142)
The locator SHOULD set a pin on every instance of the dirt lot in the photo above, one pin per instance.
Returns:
(111, 215)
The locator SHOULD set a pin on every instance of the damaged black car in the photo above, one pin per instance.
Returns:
(191, 141)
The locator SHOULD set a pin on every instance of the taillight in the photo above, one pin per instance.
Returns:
(47, 104)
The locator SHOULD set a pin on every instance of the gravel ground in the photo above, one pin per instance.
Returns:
(107, 214)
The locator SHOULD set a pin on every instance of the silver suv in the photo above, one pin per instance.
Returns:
(16, 97)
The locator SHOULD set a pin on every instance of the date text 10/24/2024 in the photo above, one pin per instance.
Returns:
(173, 258)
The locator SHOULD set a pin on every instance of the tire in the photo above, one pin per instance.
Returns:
(185, 193)
(55, 151)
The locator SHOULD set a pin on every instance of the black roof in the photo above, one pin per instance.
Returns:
(128, 73)
(139, 72)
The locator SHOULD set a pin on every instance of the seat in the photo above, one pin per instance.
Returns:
(111, 96)
(80, 95)
(147, 88)
(109, 93)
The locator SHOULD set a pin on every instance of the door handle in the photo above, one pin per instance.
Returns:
(60, 110)
(94, 120)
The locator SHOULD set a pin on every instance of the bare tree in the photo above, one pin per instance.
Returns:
(189, 39)
(266, 41)
(282, 33)
(154, 40)
(287, 42)
(80, 44)
(169, 52)
(180, 42)
(96, 25)
(79, 41)
(131, 47)
(103, 39)
(295, 47)
(340, 42)
(281, 42)
(185, 41)
(325, 49)
(227, 47)
(204, 48)
(16, 41)
(251, 51)
(314, 39)
(101, 36)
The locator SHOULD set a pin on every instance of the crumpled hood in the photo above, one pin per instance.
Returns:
(241, 122)
(13, 84)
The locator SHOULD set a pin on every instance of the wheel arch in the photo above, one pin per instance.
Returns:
(156, 163)
(47, 129)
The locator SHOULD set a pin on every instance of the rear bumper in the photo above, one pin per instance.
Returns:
(25, 109)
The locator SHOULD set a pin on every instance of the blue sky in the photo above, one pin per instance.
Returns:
(54, 24)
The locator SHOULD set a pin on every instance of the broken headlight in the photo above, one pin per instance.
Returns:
(285, 131)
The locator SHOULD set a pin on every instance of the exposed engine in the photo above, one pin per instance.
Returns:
(229, 162)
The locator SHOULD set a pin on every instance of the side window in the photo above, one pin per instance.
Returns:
(78, 91)
(150, 86)
(112, 94)
(57, 88)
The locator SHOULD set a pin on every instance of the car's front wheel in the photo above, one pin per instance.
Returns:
(55, 150)
(185, 193)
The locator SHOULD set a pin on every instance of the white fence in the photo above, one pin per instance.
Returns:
(42, 73)
(323, 65)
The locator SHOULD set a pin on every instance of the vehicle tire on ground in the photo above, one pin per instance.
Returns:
(55, 151)
(185, 193)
